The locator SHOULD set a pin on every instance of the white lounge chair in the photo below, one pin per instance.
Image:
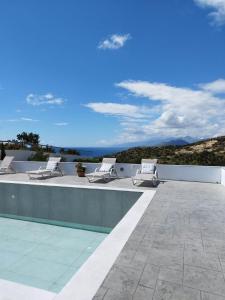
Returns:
(52, 169)
(147, 172)
(105, 172)
(6, 165)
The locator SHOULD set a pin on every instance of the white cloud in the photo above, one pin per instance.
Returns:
(22, 119)
(121, 110)
(218, 7)
(181, 111)
(115, 41)
(216, 87)
(48, 99)
(172, 111)
(61, 124)
(28, 119)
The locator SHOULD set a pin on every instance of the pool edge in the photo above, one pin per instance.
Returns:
(95, 269)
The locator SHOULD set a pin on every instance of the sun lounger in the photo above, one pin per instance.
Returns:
(52, 169)
(105, 172)
(6, 165)
(147, 172)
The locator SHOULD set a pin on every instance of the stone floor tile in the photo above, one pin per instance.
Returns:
(207, 296)
(143, 293)
(171, 275)
(171, 291)
(223, 265)
(149, 276)
(101, 293)
(121, 278)
(214, 245)
(198, 258)
(118, 295)
(164, 257)
(206, 280)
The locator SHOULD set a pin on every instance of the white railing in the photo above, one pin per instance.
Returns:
(211, 174)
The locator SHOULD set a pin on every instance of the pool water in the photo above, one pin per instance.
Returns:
(41, 255)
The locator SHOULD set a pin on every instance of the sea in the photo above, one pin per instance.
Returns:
(94, 151)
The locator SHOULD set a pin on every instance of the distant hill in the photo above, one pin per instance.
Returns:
(204, 152)
(176, 142)
(160, 141)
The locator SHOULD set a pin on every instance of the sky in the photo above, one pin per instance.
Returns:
(108, 72)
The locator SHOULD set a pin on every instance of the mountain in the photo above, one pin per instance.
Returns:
(175, 142)
(161, 141)
(204, 152)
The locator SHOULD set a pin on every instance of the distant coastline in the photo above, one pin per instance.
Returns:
(94, 151)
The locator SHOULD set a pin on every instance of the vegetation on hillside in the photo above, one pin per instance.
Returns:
(207, 152)
(39, 155)
(88, 159)
(69, 151)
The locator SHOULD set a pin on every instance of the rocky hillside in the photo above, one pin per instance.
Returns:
(205, 152)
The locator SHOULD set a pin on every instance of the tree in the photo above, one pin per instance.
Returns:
(3, 154)
(29, 138)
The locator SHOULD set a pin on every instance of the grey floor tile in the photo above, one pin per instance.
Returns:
(101, 293)
(143, 293)
(171, 275)
(207, 296)
(206, 280)
(149, 276)
(122, 278)
(166, 257)
(171, 291)
(118, 295)
(223, 265)
(198, 258)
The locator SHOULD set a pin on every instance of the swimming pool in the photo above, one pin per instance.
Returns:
(49, 231)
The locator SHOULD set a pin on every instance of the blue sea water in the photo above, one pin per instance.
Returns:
(98, 152)
(95, 151)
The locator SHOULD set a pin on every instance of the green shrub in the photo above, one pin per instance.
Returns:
(39, 156)
(3, 154)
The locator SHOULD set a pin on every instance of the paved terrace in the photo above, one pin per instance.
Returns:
(125, 183)
(177, 251)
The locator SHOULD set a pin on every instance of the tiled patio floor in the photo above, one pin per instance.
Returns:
(177, 251)
(125, 183)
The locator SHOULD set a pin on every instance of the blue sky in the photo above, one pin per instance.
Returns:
(102, 72)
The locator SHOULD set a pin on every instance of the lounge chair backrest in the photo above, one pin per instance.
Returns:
(5, 164)
(109, 160)
(148, 166)
(52, 163)
(107, 164)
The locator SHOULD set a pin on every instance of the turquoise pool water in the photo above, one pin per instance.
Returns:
(41, 255)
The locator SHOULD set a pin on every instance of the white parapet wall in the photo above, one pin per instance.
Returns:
(190, 173)
(166, 172)
(223, 176)
(20, 154)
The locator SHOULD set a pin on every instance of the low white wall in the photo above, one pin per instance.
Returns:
(166, 172)
(67, 157)
(190, 173)
(19, 154)
(23, 155)
(223, 176)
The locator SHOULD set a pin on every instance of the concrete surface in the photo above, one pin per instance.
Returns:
(177, 250)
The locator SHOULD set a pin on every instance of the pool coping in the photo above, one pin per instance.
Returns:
(97, 187)
(93, 272)
(95, 269)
